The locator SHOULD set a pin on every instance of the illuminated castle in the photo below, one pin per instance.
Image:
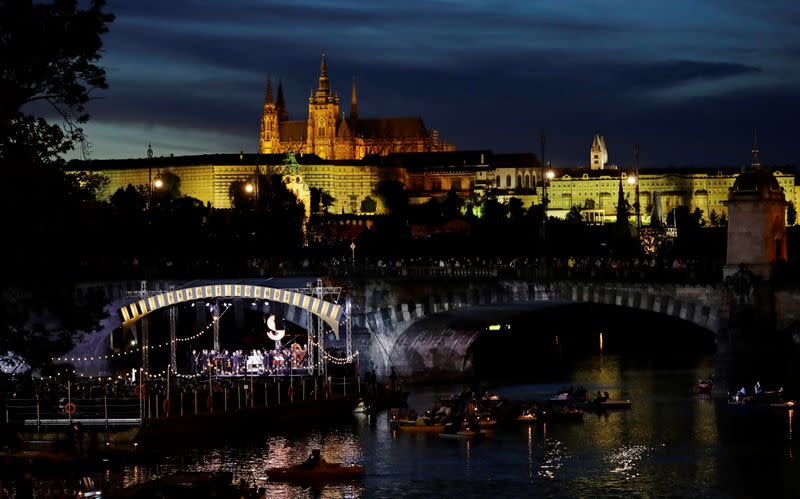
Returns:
(330, 135)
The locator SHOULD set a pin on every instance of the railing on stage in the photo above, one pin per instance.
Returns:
(223, 394)
(105, 412)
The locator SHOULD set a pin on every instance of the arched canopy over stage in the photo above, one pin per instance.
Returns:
(293, 292)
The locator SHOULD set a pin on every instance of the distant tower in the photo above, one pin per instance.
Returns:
(354, 102)
(323, 114)
(270, 136)
(280, 104)
(598, 155)
(756, 221)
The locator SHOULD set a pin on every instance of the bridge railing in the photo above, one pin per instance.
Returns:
(701, 272)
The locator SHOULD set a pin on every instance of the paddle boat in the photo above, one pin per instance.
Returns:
(704, 386)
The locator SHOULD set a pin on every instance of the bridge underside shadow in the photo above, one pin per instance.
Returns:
(523, 339)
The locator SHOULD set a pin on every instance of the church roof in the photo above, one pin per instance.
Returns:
(416, 161)
(521, 160)
(293, 130)
(389, 128)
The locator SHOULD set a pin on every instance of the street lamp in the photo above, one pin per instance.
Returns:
(248, 188)
(157, 182)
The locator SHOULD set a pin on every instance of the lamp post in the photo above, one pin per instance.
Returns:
(151, 182)
(543, 143)
(149, 176)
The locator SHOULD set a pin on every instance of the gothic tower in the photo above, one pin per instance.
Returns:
(280, 104)
(354, 102)
(269, 139)
(598, 155)
(323, 112)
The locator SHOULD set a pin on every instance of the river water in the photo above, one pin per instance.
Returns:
(671, 443)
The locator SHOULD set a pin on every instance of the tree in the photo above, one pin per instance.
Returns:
(394, 197)
(321, 200)
(696, 218)
(368, 205)
(723, 220)
(713, 218)
(452, 204)
(516, 209)
(574, 216)
(791, 214)
(240, 198)
(48, 53)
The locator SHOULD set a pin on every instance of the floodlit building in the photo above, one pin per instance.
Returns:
(328, 134)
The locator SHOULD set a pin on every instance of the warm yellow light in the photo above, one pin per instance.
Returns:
(248, 188)
(158, 183)
(551, 174)
(631, 180)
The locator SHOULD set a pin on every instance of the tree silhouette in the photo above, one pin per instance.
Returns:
(48, 53)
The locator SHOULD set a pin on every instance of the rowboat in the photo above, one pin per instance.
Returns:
(323, 472)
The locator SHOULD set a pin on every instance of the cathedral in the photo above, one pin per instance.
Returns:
(330, 135)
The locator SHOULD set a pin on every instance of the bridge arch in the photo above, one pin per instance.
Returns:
(700, 305)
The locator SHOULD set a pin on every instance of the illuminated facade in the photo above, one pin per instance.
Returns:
(329, 135)
(432, 175)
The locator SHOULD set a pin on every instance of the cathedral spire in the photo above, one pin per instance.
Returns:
(268, 96)
(354, 102)
(323, 89)
(281, 104)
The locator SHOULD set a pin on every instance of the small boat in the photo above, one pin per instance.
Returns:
(607, 404)
(704, 386)
(324, 472)
(419, 425)
(487, 421)
(361, 408)
(528, 418)
(751, 402)
(420, 428)
(463, 435)
(563, 414)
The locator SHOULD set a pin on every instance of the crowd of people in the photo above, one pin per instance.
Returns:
(278, 361)
(559, 267)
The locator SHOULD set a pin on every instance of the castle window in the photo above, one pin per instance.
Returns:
(508, 181)
(519, 180)
(497, 181)
(527, 180)
(322, 131)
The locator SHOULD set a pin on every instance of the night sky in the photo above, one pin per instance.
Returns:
(689, 80)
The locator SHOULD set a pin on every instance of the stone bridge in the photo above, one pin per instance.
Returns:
(388, 339)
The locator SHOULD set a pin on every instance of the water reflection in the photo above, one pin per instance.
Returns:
(670, 443)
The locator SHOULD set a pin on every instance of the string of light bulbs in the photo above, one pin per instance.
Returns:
(139, 349)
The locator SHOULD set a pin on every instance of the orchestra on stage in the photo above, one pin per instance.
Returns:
(287, 359)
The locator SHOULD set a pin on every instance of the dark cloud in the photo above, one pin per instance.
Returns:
(485, 74)
(669, 73)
